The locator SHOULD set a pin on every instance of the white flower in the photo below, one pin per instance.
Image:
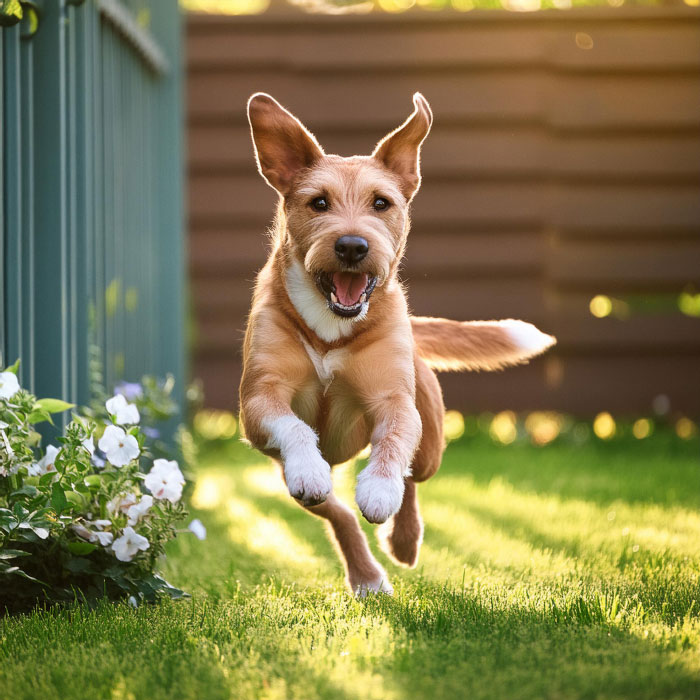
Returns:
(138, 510)
(46, 463)
(126, 413)
(121, 503)
(127, 546)
(104, 538)
(165, 480)
(197, 528)
(89, 445)
(82, 531)
(9, 385)
(101, 524)
(119, 447)
(9, 452)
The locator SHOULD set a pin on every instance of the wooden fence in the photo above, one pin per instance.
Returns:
(564, 163)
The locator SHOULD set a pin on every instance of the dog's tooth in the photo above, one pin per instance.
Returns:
(334, 298)
(363, 298)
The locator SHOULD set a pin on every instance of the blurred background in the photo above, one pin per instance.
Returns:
(561, 180)
(561, 184)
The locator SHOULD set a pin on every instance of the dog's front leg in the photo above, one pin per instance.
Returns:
(271, 426)
(307, 474)
(395, 438)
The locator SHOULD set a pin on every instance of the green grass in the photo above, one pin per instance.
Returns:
(561, 572)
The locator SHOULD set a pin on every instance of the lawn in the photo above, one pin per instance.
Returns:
(558, 572)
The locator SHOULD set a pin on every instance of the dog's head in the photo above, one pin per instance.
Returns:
(346, 218)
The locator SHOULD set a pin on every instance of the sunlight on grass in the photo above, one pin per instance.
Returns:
(560, 571)
(266, 479)
(270, 537)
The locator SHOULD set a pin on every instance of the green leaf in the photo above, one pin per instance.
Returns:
(81, 547)
(41, 532)
(15, 367)
(26, 490)
(10, 12)
(79, 565)
(39, 416)
(58, 498)
(93, 481)
(18, 572)
(13, 553)
(46, 478)
(77, 500)
(53, 405)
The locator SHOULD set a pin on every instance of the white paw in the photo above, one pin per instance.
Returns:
(378, 497)
(308, 477)
(379, 585)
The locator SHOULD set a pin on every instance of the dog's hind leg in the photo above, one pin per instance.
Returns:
(402, 537)
(364, 573)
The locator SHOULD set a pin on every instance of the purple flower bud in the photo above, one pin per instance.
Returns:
(129, 390)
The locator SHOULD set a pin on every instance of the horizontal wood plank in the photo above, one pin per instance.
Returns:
(564, 162)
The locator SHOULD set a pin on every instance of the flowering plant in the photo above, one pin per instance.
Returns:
(89, 516)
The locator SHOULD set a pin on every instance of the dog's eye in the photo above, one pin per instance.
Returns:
(319, 204)
(380, 204)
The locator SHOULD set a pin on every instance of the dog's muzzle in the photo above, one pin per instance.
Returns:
(346, 292)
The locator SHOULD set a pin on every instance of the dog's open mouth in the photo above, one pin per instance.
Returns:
(346, 292)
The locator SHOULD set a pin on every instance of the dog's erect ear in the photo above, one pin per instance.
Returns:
(283, 146)
(400, 150)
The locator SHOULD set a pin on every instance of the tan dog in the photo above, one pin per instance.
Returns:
(332, 360)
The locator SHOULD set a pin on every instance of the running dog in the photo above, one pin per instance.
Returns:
(332, 359)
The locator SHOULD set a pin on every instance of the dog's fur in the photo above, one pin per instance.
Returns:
(317, 386)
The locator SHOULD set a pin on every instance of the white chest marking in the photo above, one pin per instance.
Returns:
(313, 308)
(326, 365)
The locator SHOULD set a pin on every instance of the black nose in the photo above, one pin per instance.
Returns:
(351, 249)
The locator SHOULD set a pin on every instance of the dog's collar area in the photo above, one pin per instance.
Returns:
(325, 283)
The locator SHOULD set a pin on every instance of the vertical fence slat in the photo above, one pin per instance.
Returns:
(3, 359)
(97, 326)
(167, 130)
(51, 266)
(27, 233)
(12, 127)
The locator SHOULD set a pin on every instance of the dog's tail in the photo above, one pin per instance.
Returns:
(449, 346)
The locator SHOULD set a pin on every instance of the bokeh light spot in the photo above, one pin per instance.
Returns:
(543, 427)
(215, 425)
(604, 426)
(686, 429)
(226, 7)
(584, 41)
(600, 306)
(689, 304)
(641, 428)
(453, 425)
(503, 427)
(396, 5)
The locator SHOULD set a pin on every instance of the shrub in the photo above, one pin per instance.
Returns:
(89, 517)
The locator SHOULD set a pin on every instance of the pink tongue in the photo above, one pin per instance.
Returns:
(349, 287)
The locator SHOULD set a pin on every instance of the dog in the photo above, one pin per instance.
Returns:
(332, 359)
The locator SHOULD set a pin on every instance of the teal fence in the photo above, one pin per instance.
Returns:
(91, 222)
